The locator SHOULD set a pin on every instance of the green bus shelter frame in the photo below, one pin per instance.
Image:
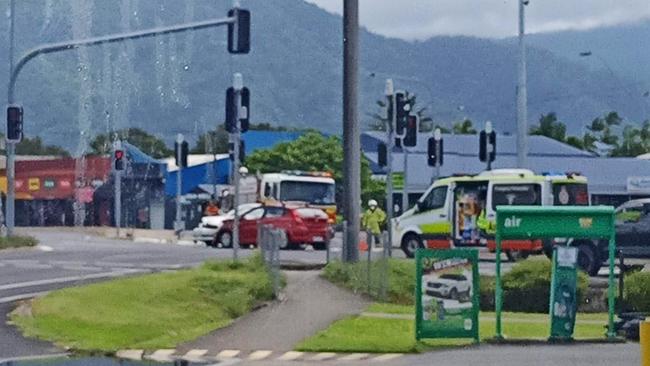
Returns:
(536, 222)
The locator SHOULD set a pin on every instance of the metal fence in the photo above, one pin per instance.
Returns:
(270, 240)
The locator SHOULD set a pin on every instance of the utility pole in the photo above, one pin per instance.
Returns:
(179, 224)
(390, 128)
(351, 140)
(238, 86)
(522, 113)
(11, 146)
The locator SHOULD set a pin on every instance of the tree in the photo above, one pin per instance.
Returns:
(35, 146)
(313, 152)
(149, 144)
(550, 127)
(602, 130)
(212, 142)
(464, 127)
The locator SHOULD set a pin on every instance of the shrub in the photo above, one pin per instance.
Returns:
(637, 291)
(17, 242)
(527, 286)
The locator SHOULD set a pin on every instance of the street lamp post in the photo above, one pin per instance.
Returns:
(522, 112)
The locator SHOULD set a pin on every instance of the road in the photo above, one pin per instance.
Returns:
(70, 258)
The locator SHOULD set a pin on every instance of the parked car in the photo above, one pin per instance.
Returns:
(303, 225)
(210, 225)
(632, 238)
(451, 286)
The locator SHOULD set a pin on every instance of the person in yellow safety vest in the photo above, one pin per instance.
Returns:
(372, 220)
(484, 224)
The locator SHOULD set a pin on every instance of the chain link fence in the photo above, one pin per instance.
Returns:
(270, 240)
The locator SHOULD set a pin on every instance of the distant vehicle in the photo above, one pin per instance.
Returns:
(632, 237)
(303, 225)
(209, 225)
(453, 209)
(316, 189)
(449, 285)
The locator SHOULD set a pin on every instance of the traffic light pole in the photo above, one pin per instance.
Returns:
(405, 194)
(118, 190)
(71, 45)
(178, 227)
(389, 166)
(236, 137)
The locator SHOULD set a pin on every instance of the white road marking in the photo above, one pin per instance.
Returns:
(130, 354)
(195, 355)
(50, 281)
(228, 353)
(259, 355)
(322, 356)
(354, 357)
(162, 355)
(290, 356)
(386, 357)
(45, 248)
(8, 299)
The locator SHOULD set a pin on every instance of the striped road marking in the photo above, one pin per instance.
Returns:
(259, 355)
(162, 355)
(322, 356)
(228, 353)
(354, 357)
(290, 356)
(386, 357)
(131, 354)
(195, 355)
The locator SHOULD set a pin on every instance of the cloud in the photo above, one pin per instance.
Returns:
(420, 19)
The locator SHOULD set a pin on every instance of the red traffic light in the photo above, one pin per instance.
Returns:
(119, 154)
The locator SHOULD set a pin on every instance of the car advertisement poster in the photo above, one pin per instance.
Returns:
(447, 294)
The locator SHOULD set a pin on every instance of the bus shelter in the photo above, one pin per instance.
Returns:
(547, 222)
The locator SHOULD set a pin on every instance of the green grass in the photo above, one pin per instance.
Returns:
(17, 242)
(151, 311)
(370, 334)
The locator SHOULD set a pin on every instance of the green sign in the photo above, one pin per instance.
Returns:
(563, 304)
(542, 222)
(398, 181)
(447, 294)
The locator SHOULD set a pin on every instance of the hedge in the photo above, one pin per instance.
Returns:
(637, 291)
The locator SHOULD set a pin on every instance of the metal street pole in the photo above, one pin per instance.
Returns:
(179, 183)
(405, 194)
(522, 113)
(489, 145)
(390, 128)
(238, 85)
(437, 135)
(73, 44)
(351, 140)
(10, 146)
(117, 145)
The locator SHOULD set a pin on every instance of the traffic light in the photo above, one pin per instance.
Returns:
(239, 32)
(411, 137)
(119, 160)
(185, 149)
(242, 151)
(435, 152)
(382, 154)
(231, 109)
(487, 146)
(14, 123)
(402, 109)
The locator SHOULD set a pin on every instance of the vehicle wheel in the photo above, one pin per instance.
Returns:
(410, 244)
(225, 238)
(588, 259)
(467, 296)
(453, 294)
(516, 255)
(320, 246)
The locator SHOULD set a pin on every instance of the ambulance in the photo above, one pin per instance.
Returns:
(460, 211)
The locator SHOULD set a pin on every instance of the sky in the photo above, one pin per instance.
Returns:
(421, 19)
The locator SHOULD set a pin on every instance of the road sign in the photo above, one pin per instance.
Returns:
(447, 294)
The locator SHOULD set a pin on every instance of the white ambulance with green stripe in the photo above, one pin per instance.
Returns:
(460, 210)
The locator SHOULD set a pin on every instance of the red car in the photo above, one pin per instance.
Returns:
(303, 225)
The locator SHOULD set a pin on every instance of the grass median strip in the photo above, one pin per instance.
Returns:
(17, 242)
(152, 311)
(395, 332)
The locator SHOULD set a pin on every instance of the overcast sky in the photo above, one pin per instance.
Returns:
(420, 19)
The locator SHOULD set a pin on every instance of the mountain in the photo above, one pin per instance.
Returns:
(176, 84)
